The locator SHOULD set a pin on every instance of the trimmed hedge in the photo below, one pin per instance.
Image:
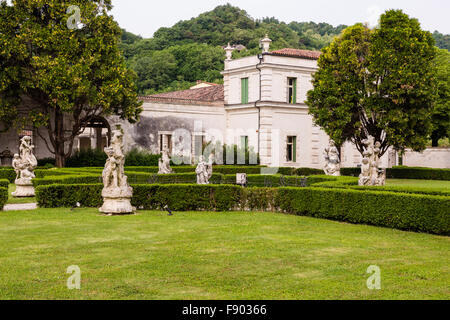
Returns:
(411, 212)
(402, 172)
(8, 173)
(3, 197)
(4, 183)
(418, 173)
(387, 209)
(133, 177)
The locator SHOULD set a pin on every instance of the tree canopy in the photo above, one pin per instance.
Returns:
(378, 82)
(215, 29)
(441, 113)
(62, 78)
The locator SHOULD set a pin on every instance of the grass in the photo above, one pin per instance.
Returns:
(433, 184)
(213, 256)
(12, 200)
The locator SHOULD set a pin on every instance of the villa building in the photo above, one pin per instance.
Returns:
(260, 106)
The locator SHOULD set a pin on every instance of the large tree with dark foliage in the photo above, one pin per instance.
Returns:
(378, 82)
(65, 74)
(441, 113)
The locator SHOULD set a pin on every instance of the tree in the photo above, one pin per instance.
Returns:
(377, 82)
(441, 113)
(62, 73)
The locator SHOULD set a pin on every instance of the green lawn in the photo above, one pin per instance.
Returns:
(12, 200)
(444, 185)
(213, 256)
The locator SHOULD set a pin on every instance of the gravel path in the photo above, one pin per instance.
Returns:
(19, 207)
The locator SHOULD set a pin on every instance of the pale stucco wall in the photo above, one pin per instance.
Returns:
(431, 158)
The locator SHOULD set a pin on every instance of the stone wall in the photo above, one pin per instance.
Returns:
(430, 158)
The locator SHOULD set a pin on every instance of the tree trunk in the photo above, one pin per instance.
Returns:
(60, 155)
(435, 140)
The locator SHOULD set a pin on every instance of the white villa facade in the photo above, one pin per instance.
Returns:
(260, 106)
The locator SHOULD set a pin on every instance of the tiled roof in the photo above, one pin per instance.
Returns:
(210, 94)
(297, 53)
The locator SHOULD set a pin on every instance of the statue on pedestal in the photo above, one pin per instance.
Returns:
(116, 191)
(24, 164)
(371, 173)
(203, 171)
(333, 163)
(164, 163)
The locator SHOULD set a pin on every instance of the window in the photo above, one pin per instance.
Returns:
(85, 143)
(292, 90)
(244, 90)
(291, 149)
(244, 142)
(165, 141)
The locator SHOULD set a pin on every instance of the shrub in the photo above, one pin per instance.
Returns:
(87, 158)
(3, 197)
(418, 173)
(395, 210)
(4, 183)
(308, 172)
(67, 179)
(8, 173)
(59, 195)
(423, 213)
(141, 158)
(402, 172)
(47, 162)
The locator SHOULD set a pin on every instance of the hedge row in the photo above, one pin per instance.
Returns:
(4, 183)
(402, 172)
(8, 174)
(396, 210)
(133, 177)
(3, 197)
(217, 178)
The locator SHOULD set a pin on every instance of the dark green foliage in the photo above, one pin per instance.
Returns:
(441, 112)
(412, 212)
(442, 40)
(395, 210)
(46, 162)
(401, 172)
(140, 158)
(87, 158)
(378, 82)
(8, 173)
(3, 197)
(67, 195)
(418, 173)
(308, 172)
(4, 183)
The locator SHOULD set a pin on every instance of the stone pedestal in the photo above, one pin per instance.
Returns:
(117, 201)
(117, 206)
(24, 189)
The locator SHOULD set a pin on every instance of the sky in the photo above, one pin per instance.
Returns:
(144, 17)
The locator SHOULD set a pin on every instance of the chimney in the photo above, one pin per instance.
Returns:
(229, 52)
(265, 43)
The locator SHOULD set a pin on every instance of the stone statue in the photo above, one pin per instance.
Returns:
(333, 163)
(24, 164)
(371, 173)
(164, 163)
(116, 192)
(210, 166)
(202, 171)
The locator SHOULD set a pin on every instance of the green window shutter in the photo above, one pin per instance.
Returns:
(294, 99)
(294, 151)
(244, 90)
